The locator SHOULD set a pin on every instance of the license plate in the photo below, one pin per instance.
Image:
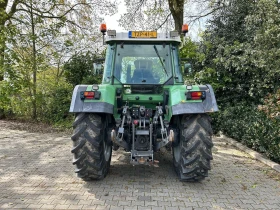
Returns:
(142, 34)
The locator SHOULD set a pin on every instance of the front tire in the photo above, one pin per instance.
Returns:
(192, 154)
(91, 146)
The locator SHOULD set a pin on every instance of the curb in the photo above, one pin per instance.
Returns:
(253, 153)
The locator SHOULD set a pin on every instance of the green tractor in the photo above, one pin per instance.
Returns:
(142, 105)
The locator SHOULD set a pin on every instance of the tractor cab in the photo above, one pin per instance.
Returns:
(142, 57)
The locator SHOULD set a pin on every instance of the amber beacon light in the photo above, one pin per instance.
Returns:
(103, 28)
(185, 29)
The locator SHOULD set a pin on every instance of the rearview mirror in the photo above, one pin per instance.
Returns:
(98, 66)
(187, 68)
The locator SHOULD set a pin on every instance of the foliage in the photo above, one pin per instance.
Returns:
(53, 98)
(76, 21)
(145, 15)
(168, 15)
(271, 106)
(189, 52)
(239, 57)
(252, 127)
(57, 107)
(5, 102)
(40, 35)
(241, 51)
(53, 90)
(79, 70)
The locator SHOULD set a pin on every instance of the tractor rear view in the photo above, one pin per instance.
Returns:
(142, 105)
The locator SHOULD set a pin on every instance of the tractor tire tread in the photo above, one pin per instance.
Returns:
(88, 148)
(192, 161)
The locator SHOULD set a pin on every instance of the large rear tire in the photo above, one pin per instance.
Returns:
(91, 146)
(192, 154)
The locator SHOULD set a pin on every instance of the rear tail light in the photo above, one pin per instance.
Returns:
(87, 94)
(196, 95)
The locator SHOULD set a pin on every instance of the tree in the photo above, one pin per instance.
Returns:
(39, 25)
(158, 14)
(177, 10)
(240, 50)
(5, 15)
(76, 15)
(79, 69)
(153, 15)
(146, 15)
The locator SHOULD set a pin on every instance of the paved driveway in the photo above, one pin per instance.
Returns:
(36, 173)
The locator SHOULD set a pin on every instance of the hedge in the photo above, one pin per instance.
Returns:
(252, 127)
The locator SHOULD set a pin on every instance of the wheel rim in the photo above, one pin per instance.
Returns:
(177, 152)
(107, 150)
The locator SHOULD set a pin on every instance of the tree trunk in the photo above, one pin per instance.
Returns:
(177, 10)
(2, 49)
(4, 17)
(34, 66)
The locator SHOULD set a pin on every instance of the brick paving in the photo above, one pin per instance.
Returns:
(36, 172)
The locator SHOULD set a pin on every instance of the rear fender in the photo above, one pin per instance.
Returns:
(208, 105)
(103, 105)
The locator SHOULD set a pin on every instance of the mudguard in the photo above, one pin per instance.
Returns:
(209, 104)
(79, 105)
